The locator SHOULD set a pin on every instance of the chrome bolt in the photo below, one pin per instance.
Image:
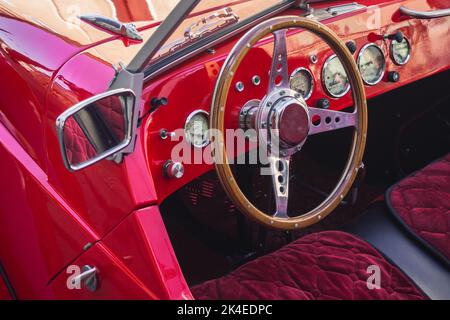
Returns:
(256, 80)
(240, 86)
(164, 134)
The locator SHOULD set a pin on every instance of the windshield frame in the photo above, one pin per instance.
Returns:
(142, 62)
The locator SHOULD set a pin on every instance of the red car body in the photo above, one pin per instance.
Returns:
(108, 215)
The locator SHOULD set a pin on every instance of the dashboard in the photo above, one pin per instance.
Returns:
(390, 53)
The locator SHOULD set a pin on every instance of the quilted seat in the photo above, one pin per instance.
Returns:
(422, 203)
(325, 265)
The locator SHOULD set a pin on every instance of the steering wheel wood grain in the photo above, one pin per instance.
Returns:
(272, 116)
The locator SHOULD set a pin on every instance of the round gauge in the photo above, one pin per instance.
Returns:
(196, 129)
(334, 77)
(371, 64)
(301, 81)
(400, 51)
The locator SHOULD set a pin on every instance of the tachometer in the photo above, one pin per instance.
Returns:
(301, 80)
(371, 64)
(334, 77)
(400, 51)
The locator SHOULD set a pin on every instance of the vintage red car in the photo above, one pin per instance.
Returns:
(226, 149)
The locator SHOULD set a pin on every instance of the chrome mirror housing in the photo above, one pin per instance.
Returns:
(96, 129)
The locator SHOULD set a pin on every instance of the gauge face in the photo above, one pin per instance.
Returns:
(196, 129)
(334, 77)
(400, 51)
(302, 81)
(371, 64)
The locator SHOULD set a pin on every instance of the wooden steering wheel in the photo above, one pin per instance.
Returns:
(283, 120)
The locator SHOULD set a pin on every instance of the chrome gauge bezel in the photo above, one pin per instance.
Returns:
(363, 49)
(325, 65)
(393, 55)
(188, 119)
(311, 88)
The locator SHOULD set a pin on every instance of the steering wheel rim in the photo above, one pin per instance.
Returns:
(278, 27)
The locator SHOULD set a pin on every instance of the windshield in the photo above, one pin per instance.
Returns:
(210, 16)
(208, 19)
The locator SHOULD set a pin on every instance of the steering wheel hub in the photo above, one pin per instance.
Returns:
(291, 120)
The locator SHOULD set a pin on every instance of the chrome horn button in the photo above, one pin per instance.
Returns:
(291, 120)
(283, 122)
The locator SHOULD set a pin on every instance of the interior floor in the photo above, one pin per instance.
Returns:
(408, 128)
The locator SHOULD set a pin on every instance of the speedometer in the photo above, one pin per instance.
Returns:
(400, 51)
(371, 64)
(334, 77)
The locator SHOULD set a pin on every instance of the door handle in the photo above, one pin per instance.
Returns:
(425, 14)
(88, 278)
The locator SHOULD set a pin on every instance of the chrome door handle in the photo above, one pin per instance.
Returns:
(88, 277)
(425, 14)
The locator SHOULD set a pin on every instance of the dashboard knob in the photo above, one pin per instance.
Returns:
(397, 36)
(158, 102)
(323, 103)
(393, 76)
(351, 45)
(173, 170)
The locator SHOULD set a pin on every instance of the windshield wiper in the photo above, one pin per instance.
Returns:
(205, 26)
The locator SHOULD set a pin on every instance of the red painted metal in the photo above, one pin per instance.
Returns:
(190, 86)
(106, 215)
(4, 292)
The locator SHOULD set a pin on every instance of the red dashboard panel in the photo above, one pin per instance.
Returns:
(190, 87)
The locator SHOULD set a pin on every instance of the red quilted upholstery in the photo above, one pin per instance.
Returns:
(325, 265)
(422, 202)
(77, 146)
(112, 113)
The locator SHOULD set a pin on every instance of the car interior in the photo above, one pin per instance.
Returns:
(409, 129)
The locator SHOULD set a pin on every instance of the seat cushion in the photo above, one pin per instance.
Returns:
(422, 203)
(325, 265)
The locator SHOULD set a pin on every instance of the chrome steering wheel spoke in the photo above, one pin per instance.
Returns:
(329, 120)
(279, 74)
(280, 181)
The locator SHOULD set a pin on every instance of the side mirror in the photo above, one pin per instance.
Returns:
(96, 128)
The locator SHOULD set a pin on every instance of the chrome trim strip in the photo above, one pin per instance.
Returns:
(425, 14)
(323, 81)
(371, 44)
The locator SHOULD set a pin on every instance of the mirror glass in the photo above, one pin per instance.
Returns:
(97, 130)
